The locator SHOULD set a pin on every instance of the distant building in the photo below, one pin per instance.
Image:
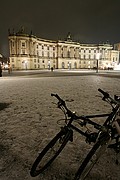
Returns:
(4, 62)
(30, 52)
(117, 46)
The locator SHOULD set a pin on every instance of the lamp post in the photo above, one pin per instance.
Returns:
(97, 58)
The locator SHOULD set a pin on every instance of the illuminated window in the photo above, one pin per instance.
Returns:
(48, 54)
(23, 51)
(75, 65)
(63, 65)
(13, 65)
(23, 44)
(68, 54)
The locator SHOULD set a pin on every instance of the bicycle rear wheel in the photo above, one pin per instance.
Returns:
(92, 157)
(50, 152)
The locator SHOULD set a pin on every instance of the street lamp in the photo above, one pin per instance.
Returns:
(97, 58)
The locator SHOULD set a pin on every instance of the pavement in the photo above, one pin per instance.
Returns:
(59, 72)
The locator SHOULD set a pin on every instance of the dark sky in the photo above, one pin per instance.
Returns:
(89, 21)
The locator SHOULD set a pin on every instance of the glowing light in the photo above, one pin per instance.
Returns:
(98, 56)
(6, 66)
(117, 67)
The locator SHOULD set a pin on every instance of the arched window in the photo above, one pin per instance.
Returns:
(63, 65)
(69, 65)
(75, 65)
(68, 53)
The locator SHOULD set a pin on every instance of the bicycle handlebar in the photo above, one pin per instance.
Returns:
(56, 95)
(60, 100)
(61, 103)
(71, 114)
(105, 94)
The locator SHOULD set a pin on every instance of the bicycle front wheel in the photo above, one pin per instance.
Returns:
(50, 152)
(97, 150)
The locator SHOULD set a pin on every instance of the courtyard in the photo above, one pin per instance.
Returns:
(28, 120)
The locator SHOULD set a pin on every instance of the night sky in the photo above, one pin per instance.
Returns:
(89, 21)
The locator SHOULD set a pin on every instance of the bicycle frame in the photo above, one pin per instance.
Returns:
(87, 120)
(107, 126)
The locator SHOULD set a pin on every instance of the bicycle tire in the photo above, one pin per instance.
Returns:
(62, 138)
(92, 157)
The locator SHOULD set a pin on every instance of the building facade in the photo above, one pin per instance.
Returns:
(30, 52)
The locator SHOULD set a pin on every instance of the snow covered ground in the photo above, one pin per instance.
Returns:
(28, 119)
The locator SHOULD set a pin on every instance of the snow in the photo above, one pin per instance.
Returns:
(30, 117)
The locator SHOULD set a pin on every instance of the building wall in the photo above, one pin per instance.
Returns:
(27, 52)
(30, 52)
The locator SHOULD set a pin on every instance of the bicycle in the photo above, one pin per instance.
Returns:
(101, 139)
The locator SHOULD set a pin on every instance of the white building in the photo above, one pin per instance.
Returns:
(30, 52)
